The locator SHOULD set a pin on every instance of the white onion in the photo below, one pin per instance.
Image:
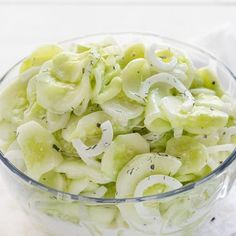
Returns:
(221, 148)
(171, 80)
(158, 62)
(149, 213)
(85, 151)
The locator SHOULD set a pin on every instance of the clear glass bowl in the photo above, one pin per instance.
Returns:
(181, 211)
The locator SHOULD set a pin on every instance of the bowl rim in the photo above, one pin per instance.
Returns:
(160, 196)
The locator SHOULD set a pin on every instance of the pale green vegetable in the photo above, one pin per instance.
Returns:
(155, 120)
(122, 110)
(143, 166)
(171, 108)
(211, 101)
(54, 180)
(121, 151)
(59, 97)
(16, 157)
(132, 52)
(192, 154)
(40, 55)
(205, 120)
(75, 169)
(7, 134)
(76, 186)
(13, 101)
(69, 67)
(38, 147)
(110, 91)
(88, 127)
(46, 118)
(132, 76)
(209, 80)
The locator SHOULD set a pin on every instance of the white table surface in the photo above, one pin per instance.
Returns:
(22, 27)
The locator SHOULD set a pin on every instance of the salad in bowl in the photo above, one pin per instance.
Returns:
(132, 134)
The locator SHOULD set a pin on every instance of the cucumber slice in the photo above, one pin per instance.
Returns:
(141, 167)
(154, 120)
(205, 120)
(122, 110)
(211, 101)
(76, 169)
(54, 180)
(46, 118)
(37, 113)
(132, 52)
(7, 134)
(59, 97)
(16, 157)
(40, 55)
(110, 91)
(102, 215)
(209, 80)
(13, 101)
(69, 67)
(132, 76)
(66, 147)
(171, 107)
(37, 145)
(76, 186)
(121, 151)
(31, 90)
(56, 122)
(192, 154)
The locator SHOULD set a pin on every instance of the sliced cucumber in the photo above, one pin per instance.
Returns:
(76, 169)
(132, 76)
(102, 215)
(7, 134)
(205, 120)
(154, 120)
(13, 100)
(122, 110)
(37, 145)
(40, 55)
(141, 167)
(132, 52)
(209, 80)
(56, 122)
(69, 67)
(59, 97)
(76, 186)
(192, 154)
(121, 151)
(110, 91)
(54, 180)
(16, 157)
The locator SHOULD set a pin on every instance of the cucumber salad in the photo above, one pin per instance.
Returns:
(106, 120)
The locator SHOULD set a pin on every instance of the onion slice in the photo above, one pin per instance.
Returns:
(85, 151)
(158, 62)
(151, 213)
(172, 81)
(221, 148)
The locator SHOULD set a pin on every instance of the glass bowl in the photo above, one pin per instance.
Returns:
(180, 212)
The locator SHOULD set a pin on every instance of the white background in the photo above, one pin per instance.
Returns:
(23, 26)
